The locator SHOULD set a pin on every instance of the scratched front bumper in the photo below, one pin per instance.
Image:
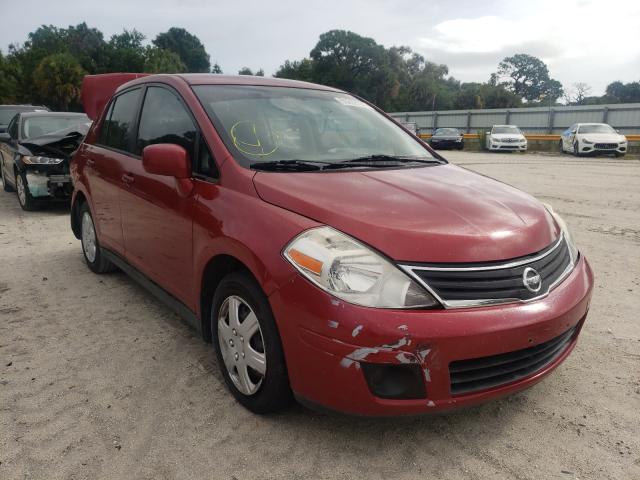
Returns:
(325, 339)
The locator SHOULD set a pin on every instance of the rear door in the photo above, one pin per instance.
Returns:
(156, 216)
(106, 162)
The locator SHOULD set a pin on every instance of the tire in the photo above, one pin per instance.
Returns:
(561, 145)
(460, 147)
(619, 154)
(576, 151)
(26, 201)
(5, 186)
(93, 255)
(263, 389)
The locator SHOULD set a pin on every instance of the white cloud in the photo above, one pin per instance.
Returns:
(591, 41)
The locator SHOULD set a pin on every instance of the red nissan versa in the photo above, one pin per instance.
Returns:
(328, 254)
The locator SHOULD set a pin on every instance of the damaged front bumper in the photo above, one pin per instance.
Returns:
(367, 361)
(49, 182)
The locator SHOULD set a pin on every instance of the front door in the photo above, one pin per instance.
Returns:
(156, 215)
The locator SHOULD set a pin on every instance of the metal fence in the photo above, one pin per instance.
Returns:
(622, 116)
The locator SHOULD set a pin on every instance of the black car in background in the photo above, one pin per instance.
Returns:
(35, 153)
(447, 138)
(7, 112)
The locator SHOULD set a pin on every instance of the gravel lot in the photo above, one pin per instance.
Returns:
(99, 380)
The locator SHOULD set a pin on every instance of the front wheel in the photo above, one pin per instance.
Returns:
(25, 199)
(90, 246)
(248, 346)
(619, 154)
(561, 146)
(576, 150)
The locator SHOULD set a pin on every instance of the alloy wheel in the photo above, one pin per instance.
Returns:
(89, 244)
(21, 189)
(241, 344)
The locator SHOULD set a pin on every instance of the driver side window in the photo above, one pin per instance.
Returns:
(165, 119)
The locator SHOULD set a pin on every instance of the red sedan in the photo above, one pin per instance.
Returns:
(328, 254)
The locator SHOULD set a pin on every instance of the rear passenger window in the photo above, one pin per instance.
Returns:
(118, 126)
(164, 119)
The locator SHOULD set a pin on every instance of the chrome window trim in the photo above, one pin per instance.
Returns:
(452, 304)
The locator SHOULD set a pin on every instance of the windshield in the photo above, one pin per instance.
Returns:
(596, 129)
(42, 125)
(506, 129)
(447, 131)
(275, 124)
(6, 114)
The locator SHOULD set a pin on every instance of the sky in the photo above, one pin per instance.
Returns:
(591, 41)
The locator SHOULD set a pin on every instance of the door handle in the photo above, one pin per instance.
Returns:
(127, 178)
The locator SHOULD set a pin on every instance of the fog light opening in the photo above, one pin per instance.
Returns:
(394, 381)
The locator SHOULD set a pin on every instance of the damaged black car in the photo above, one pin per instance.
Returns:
(35, 153)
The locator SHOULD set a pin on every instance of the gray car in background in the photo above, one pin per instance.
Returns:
(7, 112)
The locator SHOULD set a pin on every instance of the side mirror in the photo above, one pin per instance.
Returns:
(166, 159)
(5, 137)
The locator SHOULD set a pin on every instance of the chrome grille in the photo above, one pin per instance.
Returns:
(606, 146)
(473, 284)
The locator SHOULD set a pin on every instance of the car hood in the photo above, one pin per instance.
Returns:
(446, 137)
(603, 137)
(501, 136)
(433, 214)
(62, 143)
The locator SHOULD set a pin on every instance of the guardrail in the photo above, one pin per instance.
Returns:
(531, 120)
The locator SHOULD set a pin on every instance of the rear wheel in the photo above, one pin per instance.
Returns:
(248, 346)
(25, 199)
(90, 246)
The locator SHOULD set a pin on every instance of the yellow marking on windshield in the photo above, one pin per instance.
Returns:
(247, 146)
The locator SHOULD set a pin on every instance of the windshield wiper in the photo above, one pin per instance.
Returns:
(381, 161)
(289, 165)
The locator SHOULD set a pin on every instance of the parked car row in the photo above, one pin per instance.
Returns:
(35, 149)
(579, 139)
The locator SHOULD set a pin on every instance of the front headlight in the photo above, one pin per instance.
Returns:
(573, 250)
(353, 272)
(41, 160)
(586, 142)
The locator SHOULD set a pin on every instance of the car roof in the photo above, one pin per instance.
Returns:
(504, 126)
(52, 114)
(592, 123)
(217, 79)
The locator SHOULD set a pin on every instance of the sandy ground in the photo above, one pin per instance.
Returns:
(99, 380)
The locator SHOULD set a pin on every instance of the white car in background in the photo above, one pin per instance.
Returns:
(506, 137)
(583, 138)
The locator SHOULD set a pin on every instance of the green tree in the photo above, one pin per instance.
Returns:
(124, 52)
(216, 68)
(187, 46)
(351, 62)
(619, 92)
(57, 81)
(159, 60)
(8, 81)
(296, 70)
(245, 71)
(527, 77)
